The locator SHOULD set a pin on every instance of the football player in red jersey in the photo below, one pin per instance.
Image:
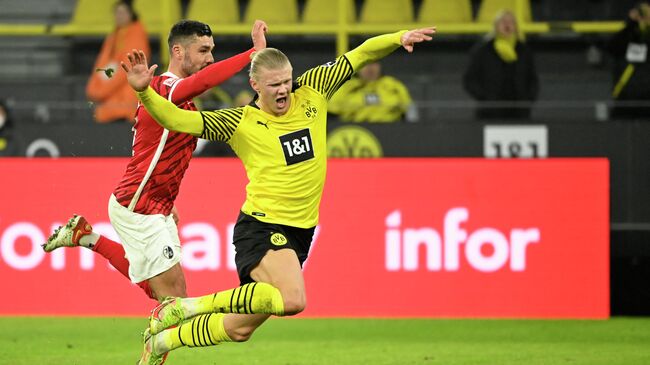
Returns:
(141, 208)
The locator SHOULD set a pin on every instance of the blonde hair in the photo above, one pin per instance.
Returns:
(497, 19)
(268, 58)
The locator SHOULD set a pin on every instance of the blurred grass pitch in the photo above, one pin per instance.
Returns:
(298, 341)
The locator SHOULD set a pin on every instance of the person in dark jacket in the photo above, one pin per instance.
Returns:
(629, 48)
(9, 143)
(501, 69)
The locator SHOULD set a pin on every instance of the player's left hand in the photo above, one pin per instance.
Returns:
(258, 35)
(175, 215)
(410, 38)
(138, 72)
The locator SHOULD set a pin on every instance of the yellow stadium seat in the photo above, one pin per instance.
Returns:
(151, 14)
(272, 11)
(386, 12)
(89, 17)
(445, 11)
(22, 29)
(214, 11)
(326, 12)
(489, 9)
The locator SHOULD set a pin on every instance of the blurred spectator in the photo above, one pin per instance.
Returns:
(212, 99)
(373, 97)
(243, 98)
(501, 69)
(9, 145)
(107, 86)
(629, 47)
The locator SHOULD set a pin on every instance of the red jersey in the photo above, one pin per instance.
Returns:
(161, 157)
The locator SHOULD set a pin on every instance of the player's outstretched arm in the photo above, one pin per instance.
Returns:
(378, 47)
(139, 75)
(217, 125)
(219, 72)
(169, 115)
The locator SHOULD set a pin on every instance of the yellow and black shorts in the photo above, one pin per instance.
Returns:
(253, 239)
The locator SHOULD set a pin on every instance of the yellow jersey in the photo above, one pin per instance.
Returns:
(285, 156)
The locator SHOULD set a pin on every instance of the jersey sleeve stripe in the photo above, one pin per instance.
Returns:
(321, 78)
(326, 79)
(221, 124)
(208, 127)
(340, 76)
(215, 127)
(232, 113)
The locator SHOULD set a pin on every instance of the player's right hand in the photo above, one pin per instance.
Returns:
(138, 73)
(258, 35)
(410, 38)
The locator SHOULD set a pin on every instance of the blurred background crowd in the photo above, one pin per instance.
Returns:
(524, 60)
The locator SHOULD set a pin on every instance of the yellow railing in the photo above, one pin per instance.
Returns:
(341, 30)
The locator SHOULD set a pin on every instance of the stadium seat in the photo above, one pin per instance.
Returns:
(89, 17)
(36, 12)
(272, 12)
(214, 12)
(445, 11)
(22, 29)
(387, 12)
(326, 12)
(150, 13)
(489, 9)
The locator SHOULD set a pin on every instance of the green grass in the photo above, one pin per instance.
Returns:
(98, 341)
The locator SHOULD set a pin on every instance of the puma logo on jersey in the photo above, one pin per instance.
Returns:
(264, 124)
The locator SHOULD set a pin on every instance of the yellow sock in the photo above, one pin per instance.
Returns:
(203, 330)
(248, 298)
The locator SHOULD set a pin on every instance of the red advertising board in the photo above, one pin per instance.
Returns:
(397, 237)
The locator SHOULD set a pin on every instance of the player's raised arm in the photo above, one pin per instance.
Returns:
(376, 48)
(218, 72)
(329, 77)
(258, 35)
(139, 75)
(169, 115)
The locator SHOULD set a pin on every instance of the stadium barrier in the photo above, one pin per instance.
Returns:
(416, 237)
(622, 142)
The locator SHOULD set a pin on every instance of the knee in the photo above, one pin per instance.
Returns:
(241, 334)
(294, 303)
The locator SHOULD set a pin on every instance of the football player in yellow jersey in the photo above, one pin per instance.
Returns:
(280, 138)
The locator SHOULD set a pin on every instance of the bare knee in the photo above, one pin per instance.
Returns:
(241, 334)
(294, 303)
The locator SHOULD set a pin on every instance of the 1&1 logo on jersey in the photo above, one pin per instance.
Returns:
(297, 146)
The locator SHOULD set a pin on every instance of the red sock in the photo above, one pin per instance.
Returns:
(114, 253)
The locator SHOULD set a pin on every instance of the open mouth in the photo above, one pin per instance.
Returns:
(281, 102)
